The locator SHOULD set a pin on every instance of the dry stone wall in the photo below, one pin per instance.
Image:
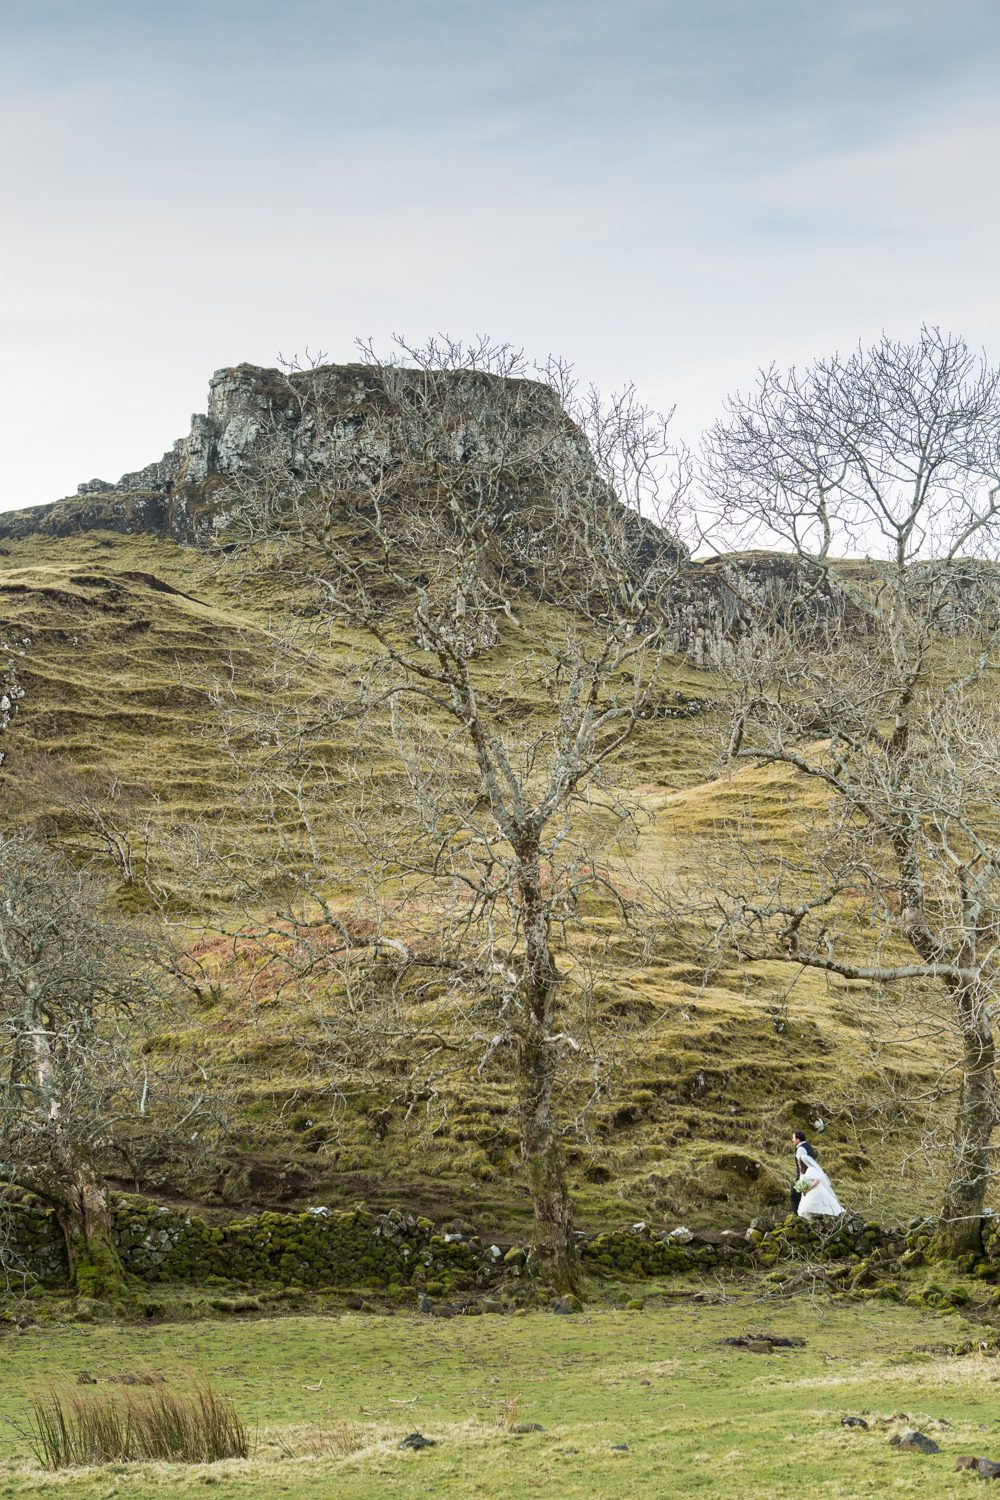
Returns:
(395, 1252)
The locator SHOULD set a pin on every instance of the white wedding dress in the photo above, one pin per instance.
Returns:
(821, 1199)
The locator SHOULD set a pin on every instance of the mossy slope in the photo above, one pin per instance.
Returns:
(129, 633)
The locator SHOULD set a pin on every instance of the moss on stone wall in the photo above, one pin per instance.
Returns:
(320, 1247)
(323, 1247)
(643, 1251)
(31, 1242)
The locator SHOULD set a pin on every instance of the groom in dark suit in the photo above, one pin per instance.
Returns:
(799, 1143)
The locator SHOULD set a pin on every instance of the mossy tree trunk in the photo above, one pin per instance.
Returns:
(78, 989)
(80, 1197)
(95, 1268)
(544, 1169)
(960, 1229)
(538, 1064)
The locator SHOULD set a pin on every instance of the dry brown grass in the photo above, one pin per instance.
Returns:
(330, 1439)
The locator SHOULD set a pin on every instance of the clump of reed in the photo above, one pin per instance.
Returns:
(191, 1423)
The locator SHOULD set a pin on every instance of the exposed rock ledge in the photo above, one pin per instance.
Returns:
(257, 419)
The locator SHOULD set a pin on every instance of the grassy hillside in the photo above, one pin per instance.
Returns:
(710, 1066)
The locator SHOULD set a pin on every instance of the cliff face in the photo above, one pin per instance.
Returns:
(307, 424)
(312, 424)
(250, 408)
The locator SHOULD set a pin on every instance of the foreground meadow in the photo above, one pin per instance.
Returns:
(630, 1402)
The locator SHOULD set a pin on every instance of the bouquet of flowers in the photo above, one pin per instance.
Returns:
(802, 1185)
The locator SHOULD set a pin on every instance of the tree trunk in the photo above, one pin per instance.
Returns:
(544, 1169)
(538, 1060)
(95, 1268)
(960, 1229)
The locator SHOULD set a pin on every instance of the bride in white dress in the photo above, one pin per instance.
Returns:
(818, 1196)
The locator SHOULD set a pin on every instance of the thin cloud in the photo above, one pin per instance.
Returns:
(663, 191)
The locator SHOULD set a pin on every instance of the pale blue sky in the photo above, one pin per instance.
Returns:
(670, 192)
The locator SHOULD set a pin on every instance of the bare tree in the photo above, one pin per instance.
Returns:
(885, 704)
(76, 997)
(490, 542)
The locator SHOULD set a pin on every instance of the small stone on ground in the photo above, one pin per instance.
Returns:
(912, 1441)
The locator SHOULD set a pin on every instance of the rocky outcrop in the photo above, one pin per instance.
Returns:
(319, 424)
(105, 510)
(327, 423)
(719, 601)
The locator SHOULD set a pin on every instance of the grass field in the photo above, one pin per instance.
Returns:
(332, 1397)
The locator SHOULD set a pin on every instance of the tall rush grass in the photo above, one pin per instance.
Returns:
(190, 1425)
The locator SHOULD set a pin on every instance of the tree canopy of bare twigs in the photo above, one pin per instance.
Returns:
(458, 510)
(886, 706)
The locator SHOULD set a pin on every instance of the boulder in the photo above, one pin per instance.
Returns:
(912, 1441)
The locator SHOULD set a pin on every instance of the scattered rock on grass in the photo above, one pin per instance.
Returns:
(416, 1440)
(987, 1469)
(912, 1441)
(520, 1428)
(854, 1422)
(764, 1343)
(569, 1304)
(967, 1461)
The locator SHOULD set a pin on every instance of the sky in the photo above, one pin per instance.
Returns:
(670, 192)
